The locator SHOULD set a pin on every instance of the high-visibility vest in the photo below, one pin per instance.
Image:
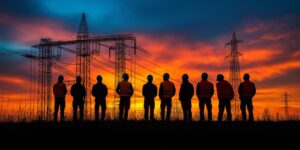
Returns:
(167, 89)
(205, 89)
(248, 89)
(125, 89)
(225, 90)
(59, 89)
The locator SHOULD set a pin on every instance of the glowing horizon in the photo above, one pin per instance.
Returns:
(185, 40)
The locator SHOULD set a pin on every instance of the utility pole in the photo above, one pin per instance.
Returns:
(286, 106)
(234, 71)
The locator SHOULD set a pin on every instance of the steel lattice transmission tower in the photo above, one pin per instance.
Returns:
(83, 60)
(45, 56)
(120, 49)
(234, 73)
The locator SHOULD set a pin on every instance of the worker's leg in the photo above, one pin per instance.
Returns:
(243, 109)
(75, 106)
(81, 108)
(228, 110)
(146, 109)
(209, 109)
(97, 103)
(56, 107)
(169, 107)
(103, 109)
(152, 106)
(250, 110)
(221, 109)
(189, 111)
(121, 108)
(184, 110)
(127, 107)
(62, 109)
(201, 106)
(162, 109)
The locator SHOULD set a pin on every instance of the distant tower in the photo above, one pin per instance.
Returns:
(234, 74)
(286, 106)
(83, 60)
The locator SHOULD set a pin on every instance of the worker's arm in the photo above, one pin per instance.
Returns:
(118, 89)
(212, 90)
(192, 91)
(83, 91)
(174, 92)
(180, 92)
(144, 91)
(131, 90)
(65, 90)
(72, 91)
(155, 91)
(232, 91)
(254, 92)
(160, 91)
(105, 91)
(94, 91)
(53, 89)
(198, 90)
(240, 90)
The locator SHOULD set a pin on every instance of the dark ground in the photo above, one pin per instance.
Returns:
(157, 135)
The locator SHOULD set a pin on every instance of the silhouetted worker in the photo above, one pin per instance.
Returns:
(99, 91)
(149, 93)
(247, 91)
(60, 91)
(225, 95)
(166, 92)
(185, 96)
(205, 91)
(78, 92)
(125, 91)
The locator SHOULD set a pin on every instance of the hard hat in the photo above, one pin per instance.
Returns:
(204, 76)
(99, 78)
(150, 78)
(185, 77)
(246, 76)
(78, 79)
(125, 76)
(220, 77)
(60, 78)
(166, 76)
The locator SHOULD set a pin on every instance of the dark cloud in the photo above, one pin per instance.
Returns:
(288, 78)
(23, 9)
(200, 18)
(14, 65)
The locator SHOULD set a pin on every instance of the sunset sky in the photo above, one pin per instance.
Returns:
(181, 37)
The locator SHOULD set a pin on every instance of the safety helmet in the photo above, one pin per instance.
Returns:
(125, 76)
(185, 77)
(246, 76)
(204, 76)
(78, 79)
(220, 77)
(166, 76)
(60, 78)
(99, 78)
(150, 78)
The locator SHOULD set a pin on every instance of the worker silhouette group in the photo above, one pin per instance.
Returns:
(166, 91)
